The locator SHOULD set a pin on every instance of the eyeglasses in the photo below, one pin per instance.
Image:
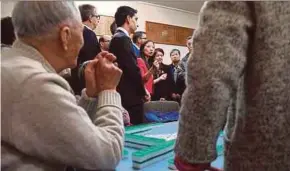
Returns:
(135, 18)
(97, 16)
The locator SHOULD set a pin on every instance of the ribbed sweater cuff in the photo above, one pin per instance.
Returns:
(109, 97)
(86, 97)
(88, 103)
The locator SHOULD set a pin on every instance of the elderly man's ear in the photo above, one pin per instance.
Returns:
(65, 36)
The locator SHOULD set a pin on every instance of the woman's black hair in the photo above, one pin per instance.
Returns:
(150, 61)
(158, 50)
(154, 55)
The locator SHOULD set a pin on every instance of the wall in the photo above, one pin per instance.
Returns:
(6, 8)
(150, 12)
(155, 13)
(146, 12)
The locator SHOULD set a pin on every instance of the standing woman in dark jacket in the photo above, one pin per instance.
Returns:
(163, 82)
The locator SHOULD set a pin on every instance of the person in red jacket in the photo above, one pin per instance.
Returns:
(146, 55)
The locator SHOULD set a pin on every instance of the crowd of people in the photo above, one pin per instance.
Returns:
(158, 81)
(67, 95)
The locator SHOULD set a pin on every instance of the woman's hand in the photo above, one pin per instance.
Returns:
(163, 77)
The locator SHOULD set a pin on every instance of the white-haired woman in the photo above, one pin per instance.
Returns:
(43, 126)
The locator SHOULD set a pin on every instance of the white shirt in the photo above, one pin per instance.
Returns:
(136, 46)
(125, 31)
(88, 27)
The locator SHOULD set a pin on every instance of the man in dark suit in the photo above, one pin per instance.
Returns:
(183, 63)
(131, 87)
(178, 76)
(91, 45)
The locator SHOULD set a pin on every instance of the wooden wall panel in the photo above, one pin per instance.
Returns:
(167, 34)
(104, 25)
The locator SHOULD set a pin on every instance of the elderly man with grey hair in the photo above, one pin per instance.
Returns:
(43, 126)
(91, 46)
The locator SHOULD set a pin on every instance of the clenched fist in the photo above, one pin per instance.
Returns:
(102, 74)
(107, 73)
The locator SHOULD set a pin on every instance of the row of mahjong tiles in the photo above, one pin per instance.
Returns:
(151, 145)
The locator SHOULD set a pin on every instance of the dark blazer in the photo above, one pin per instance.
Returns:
(131, 87)
(183, 62)
(89, 50)
(164, 88)
(178, 86)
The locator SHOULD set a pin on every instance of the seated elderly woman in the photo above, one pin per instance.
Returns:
(43, 126)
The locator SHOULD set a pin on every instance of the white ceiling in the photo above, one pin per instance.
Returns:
(191, 6)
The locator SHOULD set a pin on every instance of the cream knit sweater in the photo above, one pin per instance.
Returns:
(44, 127)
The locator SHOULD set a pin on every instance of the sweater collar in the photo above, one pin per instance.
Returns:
(30, 52)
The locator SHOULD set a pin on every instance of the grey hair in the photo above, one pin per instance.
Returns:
(40, 18)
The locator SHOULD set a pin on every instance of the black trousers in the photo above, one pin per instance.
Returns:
(136, 113)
